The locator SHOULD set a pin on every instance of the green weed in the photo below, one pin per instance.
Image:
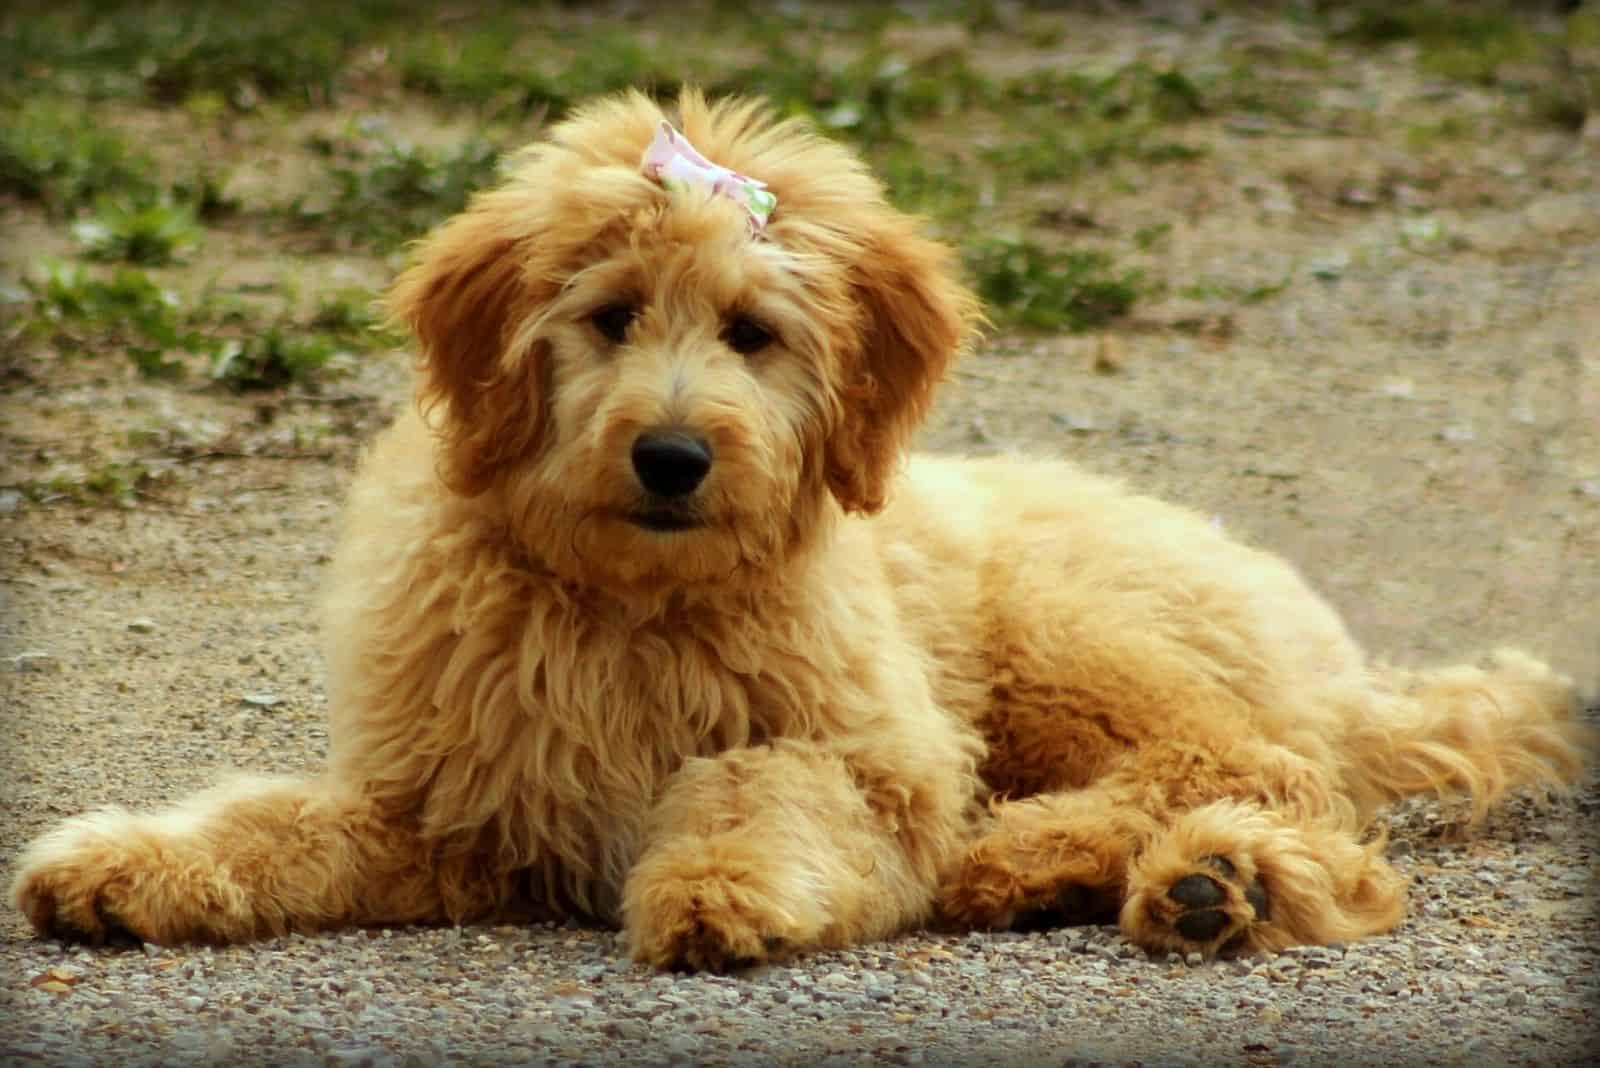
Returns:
(353, 317)
(1089, 122)
(206, 194)
(281, 349)
(509, 68)
(386, 191)
(169, 51)
(56, 154)
(150, 232)
(1147, 237)
(1028, 285)
(937, 186)
(1255, 88)
(116, 484)
(1136, 93)
(1222, 289)
(128, 311)
(271, 359)
(1445, 130)
(1463, 41)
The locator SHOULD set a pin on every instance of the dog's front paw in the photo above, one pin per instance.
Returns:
(1026, 881)
(79, 884)
(1209, 909)
(104, 878)
(712, 917)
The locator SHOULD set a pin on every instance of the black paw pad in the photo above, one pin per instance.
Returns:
(1201, 926)
(1197, 892)
(1202, 894)
(1256, 894)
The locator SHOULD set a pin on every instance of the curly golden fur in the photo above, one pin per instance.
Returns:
(783, 689)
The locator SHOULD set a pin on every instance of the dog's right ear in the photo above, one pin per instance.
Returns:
(462, 298)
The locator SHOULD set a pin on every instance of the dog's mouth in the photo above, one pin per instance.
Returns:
(664, 520)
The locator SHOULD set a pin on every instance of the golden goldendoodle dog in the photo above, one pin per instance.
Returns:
(645, 616)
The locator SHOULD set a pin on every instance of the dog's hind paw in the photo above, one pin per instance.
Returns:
(1208, 909)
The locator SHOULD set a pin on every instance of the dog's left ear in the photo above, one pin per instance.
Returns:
(917, 317)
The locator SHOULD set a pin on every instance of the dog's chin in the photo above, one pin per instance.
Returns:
(652, 547)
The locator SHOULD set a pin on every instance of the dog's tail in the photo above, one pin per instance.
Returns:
(1478, 731)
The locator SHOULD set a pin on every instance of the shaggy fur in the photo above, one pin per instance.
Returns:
(831, 694)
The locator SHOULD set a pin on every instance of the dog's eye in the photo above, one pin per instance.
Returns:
(746, 336)
(613, 321)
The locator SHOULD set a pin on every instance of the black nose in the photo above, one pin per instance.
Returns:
(670, 463)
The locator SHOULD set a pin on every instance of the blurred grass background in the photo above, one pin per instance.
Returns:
(143, 143)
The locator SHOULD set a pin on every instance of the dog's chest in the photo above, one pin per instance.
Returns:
(609, 715)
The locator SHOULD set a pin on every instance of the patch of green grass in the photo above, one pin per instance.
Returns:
(247, 346)
(382, 192)
(349, 311)
(206, 194)
(1067, 123)
(1061, 153)
(1233, 292)
(254, 351)
(115, 484)
(1147, 237)
(272, 358)
(508, 66)
(1447, 129)
(1028, 285)
(353, 317)
(869, 97)
(1256, 88)
(1136, 92)
(940, 187)
(147, 231)
(168, 50)
(57, 154)
(1468, 41)
(128, 310)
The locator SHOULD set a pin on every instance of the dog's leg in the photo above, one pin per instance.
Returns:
(767, 851)
(1062, 857)
(248, 859)
(1052, 860)
(1237, 877)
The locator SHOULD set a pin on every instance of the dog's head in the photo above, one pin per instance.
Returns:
(654, 393)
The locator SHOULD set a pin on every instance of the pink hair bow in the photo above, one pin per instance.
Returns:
(676, 164)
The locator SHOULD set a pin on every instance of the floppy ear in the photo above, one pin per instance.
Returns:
(462, 298)
(917, 316)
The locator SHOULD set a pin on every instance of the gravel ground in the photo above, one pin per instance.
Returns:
(1467, 980)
